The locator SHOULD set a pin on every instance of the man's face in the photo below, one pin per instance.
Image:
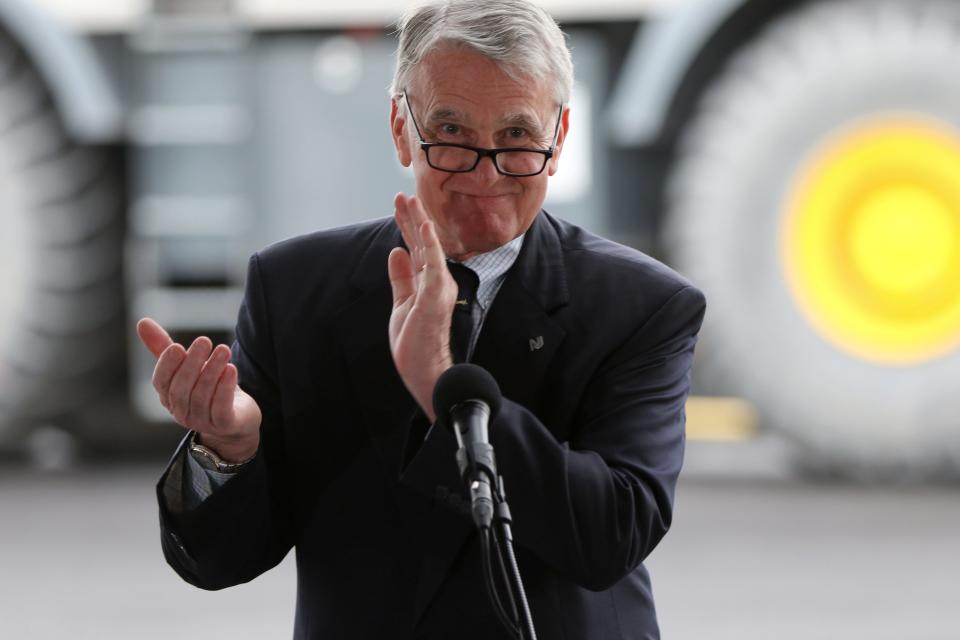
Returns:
(461, 97)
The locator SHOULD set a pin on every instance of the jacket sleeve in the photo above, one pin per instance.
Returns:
(243, 528)
(594, 506)
(186, 484)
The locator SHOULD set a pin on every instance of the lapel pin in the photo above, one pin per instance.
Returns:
(536, 343)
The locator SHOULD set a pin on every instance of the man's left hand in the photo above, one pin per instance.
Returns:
(424, 294)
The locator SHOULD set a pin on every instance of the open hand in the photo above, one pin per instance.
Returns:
(424, 294)
(198, 386)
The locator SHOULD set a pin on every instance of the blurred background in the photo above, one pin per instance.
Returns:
(799, 160)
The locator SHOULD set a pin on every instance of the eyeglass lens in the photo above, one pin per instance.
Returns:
(459, 159)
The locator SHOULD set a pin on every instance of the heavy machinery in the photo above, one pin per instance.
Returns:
(798, 159)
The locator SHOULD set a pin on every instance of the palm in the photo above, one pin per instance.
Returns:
(413, 322)
(246, 414)
(399, 331)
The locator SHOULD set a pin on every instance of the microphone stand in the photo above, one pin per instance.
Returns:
(492, 517)
(516, 591)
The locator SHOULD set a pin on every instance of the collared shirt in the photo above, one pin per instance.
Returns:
(491, 268)
(187, 491)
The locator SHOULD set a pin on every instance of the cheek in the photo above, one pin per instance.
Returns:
(432, 195)
(530, 203)
(430, 185)
(533, 196)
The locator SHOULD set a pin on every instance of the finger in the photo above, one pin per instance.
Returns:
(410, 231)
(417, 213)
(202, 394)
(186, 377)
(402, 216)
(402, 276)
(221, 405)
(153, 336)
(417, 218)
(436, 263)
(167, 365)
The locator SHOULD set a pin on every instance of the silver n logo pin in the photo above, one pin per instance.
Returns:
(536, 343)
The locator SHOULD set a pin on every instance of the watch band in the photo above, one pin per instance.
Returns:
(208, 458)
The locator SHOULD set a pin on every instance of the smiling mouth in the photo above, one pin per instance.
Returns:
(485, 196)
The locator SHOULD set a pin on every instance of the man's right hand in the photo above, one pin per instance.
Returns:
(424, 295)
(198, 386)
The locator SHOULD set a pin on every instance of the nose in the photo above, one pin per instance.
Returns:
(485, 172)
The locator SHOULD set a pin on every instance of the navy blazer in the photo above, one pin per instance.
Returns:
(591, 343)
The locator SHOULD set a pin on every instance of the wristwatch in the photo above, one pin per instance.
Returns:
(210, 461)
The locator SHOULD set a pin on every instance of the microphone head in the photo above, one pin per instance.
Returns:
(463, 382)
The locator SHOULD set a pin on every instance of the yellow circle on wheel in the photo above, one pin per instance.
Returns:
(871, 240)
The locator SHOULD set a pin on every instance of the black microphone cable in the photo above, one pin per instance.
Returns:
(489, 580)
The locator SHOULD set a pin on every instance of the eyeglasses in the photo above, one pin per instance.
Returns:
(517, 162)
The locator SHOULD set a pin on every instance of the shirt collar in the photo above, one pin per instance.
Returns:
(492, 266)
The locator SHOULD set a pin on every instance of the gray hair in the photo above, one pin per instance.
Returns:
(519, 36)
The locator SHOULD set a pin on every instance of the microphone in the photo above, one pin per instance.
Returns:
(465, 398)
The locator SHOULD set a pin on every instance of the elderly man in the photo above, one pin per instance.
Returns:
(315, 432)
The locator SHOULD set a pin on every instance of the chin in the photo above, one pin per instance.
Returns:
(487, 236)
(481, 225)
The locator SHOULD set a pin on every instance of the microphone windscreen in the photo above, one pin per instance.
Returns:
(463, 382)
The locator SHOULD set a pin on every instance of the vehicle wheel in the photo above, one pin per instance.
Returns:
(60, 322)
(816, 198)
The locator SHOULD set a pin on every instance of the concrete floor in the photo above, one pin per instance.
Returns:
(797, 561)
(751, 556)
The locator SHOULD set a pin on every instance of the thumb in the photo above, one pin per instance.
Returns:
(153, 336)
(402, 276)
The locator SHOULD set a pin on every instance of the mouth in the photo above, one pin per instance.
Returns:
(484, 196)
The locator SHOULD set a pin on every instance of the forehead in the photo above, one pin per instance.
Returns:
(457, 82)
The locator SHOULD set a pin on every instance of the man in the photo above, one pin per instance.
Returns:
(327, 444)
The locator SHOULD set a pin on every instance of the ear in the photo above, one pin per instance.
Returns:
(561, 136)
(398, 122)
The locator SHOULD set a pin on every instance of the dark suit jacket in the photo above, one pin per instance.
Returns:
(589, 441)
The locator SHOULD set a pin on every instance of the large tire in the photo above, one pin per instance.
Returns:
(61, 332)
(861, 387)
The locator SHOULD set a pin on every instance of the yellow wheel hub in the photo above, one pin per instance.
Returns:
(871, 240)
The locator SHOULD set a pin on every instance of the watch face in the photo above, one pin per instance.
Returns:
(207, 459)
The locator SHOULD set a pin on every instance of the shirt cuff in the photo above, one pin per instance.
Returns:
(189, 483)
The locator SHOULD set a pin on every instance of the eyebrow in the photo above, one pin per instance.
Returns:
(447, 113)
(522, 120)
(518, 119)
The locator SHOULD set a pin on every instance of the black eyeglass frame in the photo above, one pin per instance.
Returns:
(485, 153)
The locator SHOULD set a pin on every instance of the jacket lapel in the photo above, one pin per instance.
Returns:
(362, 328)
(520, 335)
